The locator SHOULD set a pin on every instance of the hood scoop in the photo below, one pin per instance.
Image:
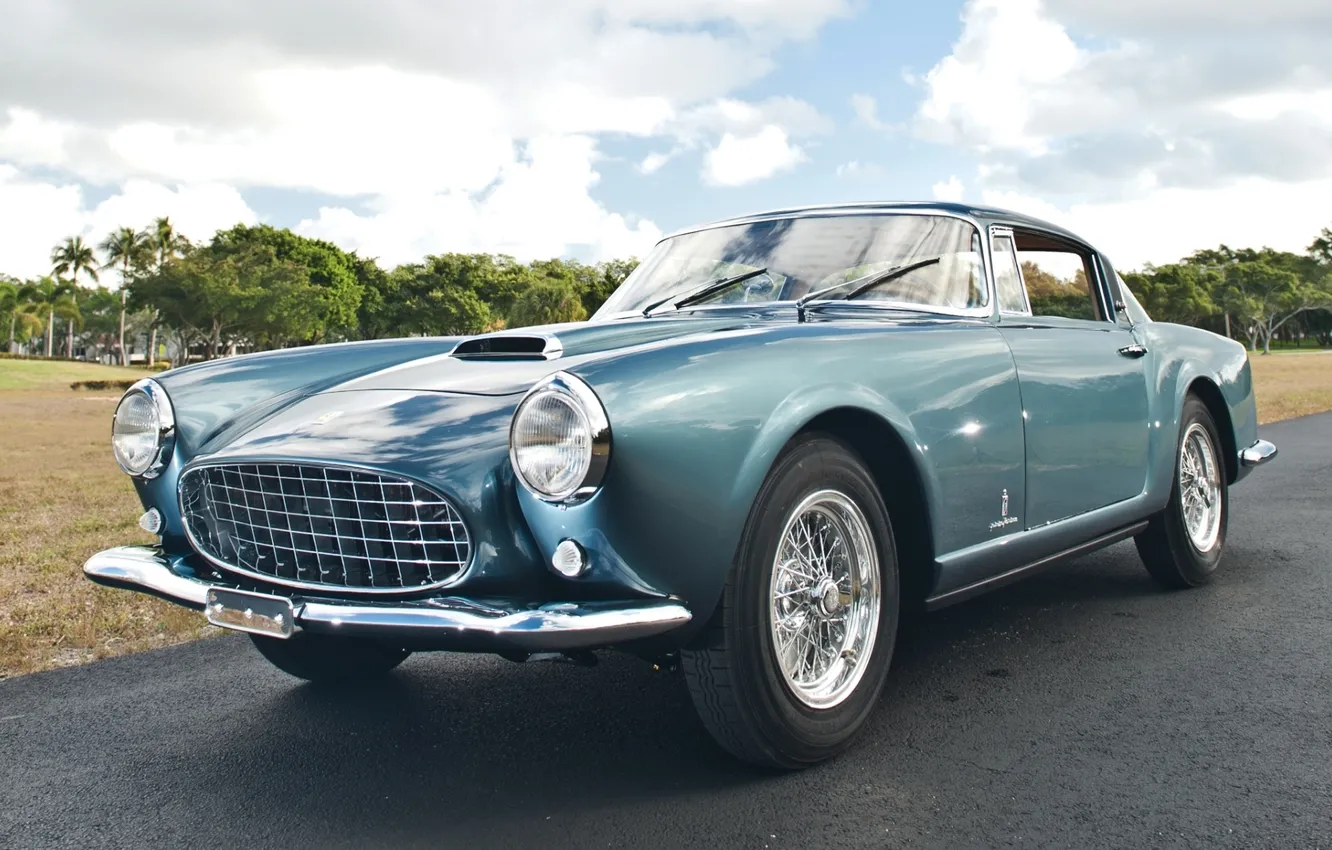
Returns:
(509, 347)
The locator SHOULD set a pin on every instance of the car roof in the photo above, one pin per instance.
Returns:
(985, 215)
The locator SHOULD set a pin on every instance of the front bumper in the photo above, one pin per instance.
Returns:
(1259, 453)
(449, 622)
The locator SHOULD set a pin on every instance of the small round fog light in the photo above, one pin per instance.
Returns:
(569, 559)
(151, 522)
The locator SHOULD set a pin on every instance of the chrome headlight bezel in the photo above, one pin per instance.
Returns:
(574, 392)
(160, 456)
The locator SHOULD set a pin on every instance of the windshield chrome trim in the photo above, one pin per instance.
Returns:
(842, 211)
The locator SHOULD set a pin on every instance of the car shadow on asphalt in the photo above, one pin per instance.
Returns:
(452, 739)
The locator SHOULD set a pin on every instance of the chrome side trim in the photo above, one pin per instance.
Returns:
(552, 627)
(961, 594)
(1258, 454)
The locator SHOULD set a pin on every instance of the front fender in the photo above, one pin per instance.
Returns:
(1183, 356)
(801, 407)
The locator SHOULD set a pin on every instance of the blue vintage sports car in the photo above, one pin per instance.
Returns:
(777, 435)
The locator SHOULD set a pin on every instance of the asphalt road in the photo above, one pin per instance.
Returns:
(1080, 708)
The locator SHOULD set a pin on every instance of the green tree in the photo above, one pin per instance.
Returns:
(201, 296)
(610, 274)
(48, 295)
(429, 300)
(329, 272)
(73, 257)
(167, 245)
(1264, 289)
(125, 249)
(1176, 293)
(9, 306)
(549, 302)
(21, 314)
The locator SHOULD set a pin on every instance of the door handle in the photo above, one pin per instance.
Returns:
(1133, 350)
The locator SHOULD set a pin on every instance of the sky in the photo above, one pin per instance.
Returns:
(590, 128)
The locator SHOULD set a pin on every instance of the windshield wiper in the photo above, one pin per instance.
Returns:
(863, 284)
(701, 293)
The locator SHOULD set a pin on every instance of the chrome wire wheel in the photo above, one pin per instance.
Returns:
(825, 599)
(1200, 488)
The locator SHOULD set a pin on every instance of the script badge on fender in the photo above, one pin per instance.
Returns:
(256, 613)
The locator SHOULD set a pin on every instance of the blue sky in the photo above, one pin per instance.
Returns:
(588, 128)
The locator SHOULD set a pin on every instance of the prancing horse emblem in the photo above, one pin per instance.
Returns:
(1004, 518)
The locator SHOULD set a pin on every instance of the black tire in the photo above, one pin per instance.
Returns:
(1170, 555)
(325, 659)
(732, 669)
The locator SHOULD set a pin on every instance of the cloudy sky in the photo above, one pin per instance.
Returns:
(587, 128)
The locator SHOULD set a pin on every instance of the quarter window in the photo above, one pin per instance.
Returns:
(1007, 278)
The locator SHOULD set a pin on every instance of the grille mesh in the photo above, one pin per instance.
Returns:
(324, 526)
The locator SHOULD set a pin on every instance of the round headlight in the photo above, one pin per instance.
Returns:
(559, 442)
(141, 429)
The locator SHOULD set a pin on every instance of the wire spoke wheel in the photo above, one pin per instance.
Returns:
(1200, 488)
(825, 598)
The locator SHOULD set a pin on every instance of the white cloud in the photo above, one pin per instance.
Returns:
(857, 170)
(538, 208)
(399, 109)
(866, 109)
(1152, 137)
(1166, 225)
(949, 190)
(737, 160)
(654, 162)
(36, 214)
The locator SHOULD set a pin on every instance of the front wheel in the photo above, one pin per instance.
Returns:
(794, 659)
(326, 659)
(1182, 545)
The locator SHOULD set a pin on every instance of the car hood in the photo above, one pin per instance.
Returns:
(218, 401)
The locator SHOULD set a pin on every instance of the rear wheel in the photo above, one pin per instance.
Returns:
(793, 661)
(322, 658)
(1182, 545)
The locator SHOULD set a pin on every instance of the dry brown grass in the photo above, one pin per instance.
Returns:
(1292, 384)
(63, 498)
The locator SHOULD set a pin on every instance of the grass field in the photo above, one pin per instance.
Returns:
(62, 498)
(56, 374)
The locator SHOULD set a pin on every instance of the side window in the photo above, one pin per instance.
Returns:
(1007, 278)
(1061, 280)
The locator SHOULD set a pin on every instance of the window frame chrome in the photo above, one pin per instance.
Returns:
(166, 428)
(574, 387)
(845, 211)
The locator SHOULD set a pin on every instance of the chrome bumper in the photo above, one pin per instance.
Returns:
(451, 622)
(1257, 454)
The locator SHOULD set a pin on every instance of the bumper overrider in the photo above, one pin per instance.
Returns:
(447, 622)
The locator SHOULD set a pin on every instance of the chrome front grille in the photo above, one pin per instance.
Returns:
(323, 526)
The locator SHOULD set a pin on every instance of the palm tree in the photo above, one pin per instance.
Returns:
(127, 248)
(45, 295)
(22, 313)
(9, 303)
(71, 257)
(166, 245)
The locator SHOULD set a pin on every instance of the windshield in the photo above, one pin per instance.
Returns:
(803, 255)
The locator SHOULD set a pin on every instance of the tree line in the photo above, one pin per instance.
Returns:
(260, 287)
(1256, 295)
